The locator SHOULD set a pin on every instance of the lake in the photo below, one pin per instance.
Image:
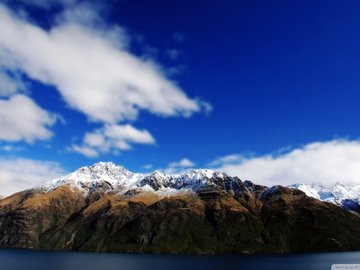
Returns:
(38, 260)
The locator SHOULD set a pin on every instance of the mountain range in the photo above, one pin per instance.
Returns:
(106, 208)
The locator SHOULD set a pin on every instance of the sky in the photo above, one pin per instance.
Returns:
(264, 90)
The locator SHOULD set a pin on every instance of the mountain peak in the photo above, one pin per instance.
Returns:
(104, 164)
(107, 166)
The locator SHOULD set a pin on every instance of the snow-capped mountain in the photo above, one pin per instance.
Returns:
(116, 178)
(107, 208)
(111, 177)
(346, 196)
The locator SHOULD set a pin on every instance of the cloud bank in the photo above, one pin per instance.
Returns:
(320, 162)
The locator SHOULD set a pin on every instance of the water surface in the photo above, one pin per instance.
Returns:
(39, 260)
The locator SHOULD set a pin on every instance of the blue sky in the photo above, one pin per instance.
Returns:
(267, 90)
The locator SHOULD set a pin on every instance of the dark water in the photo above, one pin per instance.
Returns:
(24, 260)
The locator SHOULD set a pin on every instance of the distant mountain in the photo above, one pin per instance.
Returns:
(107, 208)
(346, 196)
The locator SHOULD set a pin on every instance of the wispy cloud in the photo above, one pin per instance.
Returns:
(46, 4)
(148, 166)
(19, 174)
(229, 159)
(172, 54)
(179, 37)
(183, 163)
(10, 85)
(10, 148)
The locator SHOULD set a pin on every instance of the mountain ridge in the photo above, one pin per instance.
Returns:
(166, 184)
(121, 180)
(106, 208)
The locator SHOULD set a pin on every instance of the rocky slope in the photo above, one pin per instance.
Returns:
(107, 208)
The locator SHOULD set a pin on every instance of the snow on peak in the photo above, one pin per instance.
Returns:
(90, 177)
(342, 195)
(117, 178)
(307, 189)
(103, 169)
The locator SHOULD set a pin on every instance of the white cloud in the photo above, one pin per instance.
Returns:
(91, 66)
(129, 134)
(95, 139)
(91, 69)
(184, 163)
(112, 138)
(22, 119)
(84, 150)
(319, 162)
(229, 159)
(19, 174)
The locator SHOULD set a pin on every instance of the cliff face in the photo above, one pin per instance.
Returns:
(230, 216)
